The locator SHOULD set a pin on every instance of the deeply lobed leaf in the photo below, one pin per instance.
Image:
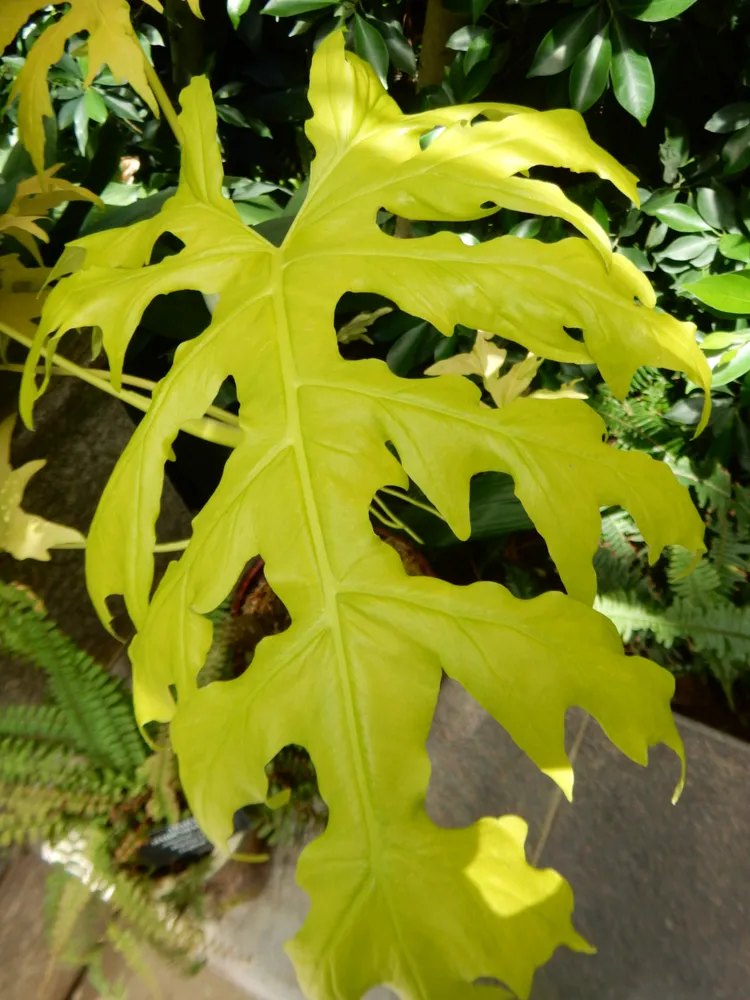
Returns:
(355, 678)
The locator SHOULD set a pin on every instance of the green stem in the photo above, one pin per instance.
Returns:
(161, 547)
(207, 429)
(141, 383)
(395, 522)
(163, 99)
(407, 499)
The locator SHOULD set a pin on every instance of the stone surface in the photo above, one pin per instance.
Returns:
(206, 985)
(663, 891)
(25, 972)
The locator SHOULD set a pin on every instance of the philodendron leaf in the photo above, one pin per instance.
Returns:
(394, 899)
(25, 536)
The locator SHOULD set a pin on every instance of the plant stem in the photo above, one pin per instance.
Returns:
(163, 99)
(407, 499)
(206, 428)
(142, 383)
(160, 547)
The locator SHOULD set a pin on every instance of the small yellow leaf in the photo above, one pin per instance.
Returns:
(33, 199)
(25, 536)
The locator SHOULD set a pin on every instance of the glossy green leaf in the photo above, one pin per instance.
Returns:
(735, 367)
(399, 50)
(479, 49)
(728, 293)
(590, 71)
(393, 898)
(95, 106)
(734, 246)
(632, 75)
(687, 247)
(563, 43)
(654, 10)
(682, 218)
(287, 8)
(736, 152)
(717, 206)
(235, 9)
(720, 341)
(370, 45)
(730, 118)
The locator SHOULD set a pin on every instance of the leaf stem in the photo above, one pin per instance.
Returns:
(407, 499)
(206, 428)
(163, 100)
(160, 547)
(142, 383)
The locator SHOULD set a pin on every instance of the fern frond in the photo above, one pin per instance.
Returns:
(35, 722)
(697, 583)
(126, 943)
(713, 491)
(639, 422)
(619, 559)
(39, 765)
(731, 557)
(632, 616)
(218, 665)
(160, 774)
(96, 707)
(65, 899)
(718, 629)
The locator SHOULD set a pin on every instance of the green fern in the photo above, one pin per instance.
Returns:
(693, 582)
(97, 710)
(639, 421)
(620, 558)
(719, 628)
(42, 723)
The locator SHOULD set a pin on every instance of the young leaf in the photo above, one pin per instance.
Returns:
(25, 536)
(730, 118)
(590, 71)
(560, 46)
(632, 75)
(369, 45)
(654, 10)
(728, 293)
(111, 41)
(393, 898)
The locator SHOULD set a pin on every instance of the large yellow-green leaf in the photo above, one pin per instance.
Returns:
(25, 536)
(111, 41)
(355, 678)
